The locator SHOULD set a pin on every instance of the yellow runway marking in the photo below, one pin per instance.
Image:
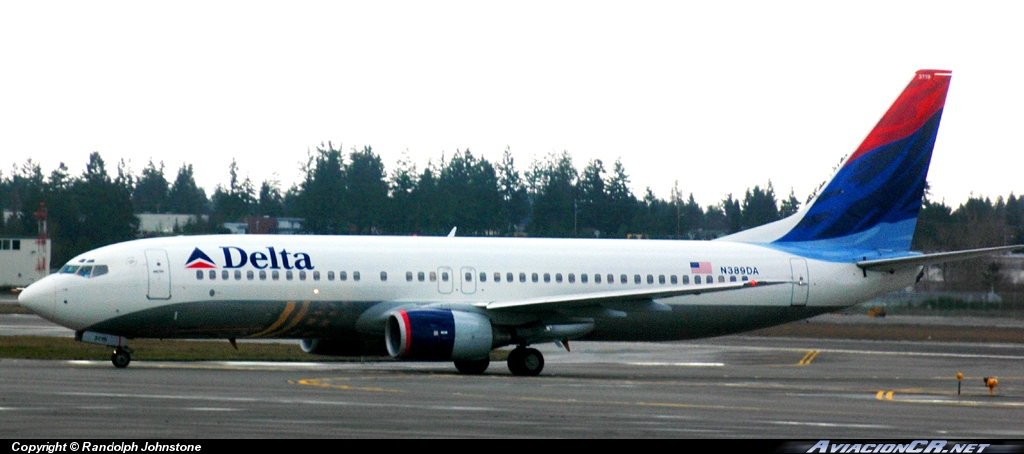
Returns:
(330, 383)
(808, 357)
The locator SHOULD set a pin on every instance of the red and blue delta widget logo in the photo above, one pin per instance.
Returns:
(236, 257)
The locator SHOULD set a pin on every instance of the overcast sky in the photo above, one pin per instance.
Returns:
(717, 95)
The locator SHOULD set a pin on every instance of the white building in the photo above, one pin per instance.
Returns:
(23, 261)
(164, 223)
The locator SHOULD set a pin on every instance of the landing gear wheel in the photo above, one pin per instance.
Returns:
(120, 358)
(525, 362)
(472, 367)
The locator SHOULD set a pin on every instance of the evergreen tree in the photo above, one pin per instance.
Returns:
(515, 203)
(320, 199)
(151, 194)
(185, 197)
(401, 217)
(554, 194)
(366, 191)
(760, 206)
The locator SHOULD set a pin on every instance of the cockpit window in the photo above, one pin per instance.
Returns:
(85, 271)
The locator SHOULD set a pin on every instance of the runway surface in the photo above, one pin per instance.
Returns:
(731, 387)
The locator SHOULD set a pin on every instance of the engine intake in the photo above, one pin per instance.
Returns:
(438, 335)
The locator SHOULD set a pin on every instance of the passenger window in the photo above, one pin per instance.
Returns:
(721, 278)
(686, 279)
(302, 275)
(508, 277)
(420, 276)
(383, 276)
(288, 275)
(583, 278)
(696, 279)
(673, 279)
(744, 279)
(469, 277)
(238, 275)
(249, 275)
(275, 275)
(224, 275)
(199, 273)
(213, 275)
(650, 279)
(522, 277)
(444, 276)
(330, 275)
(611, 278)
(433, 276)
(732, 278)
(355, 276)
(572, 278)
(408, 276)
(342, 275)
(316, 275)
(497, 276)
(636, 278)
(534, 277)
(483, 276)
(597, 278)
(263, 275)
(547, 277)
(558, 277)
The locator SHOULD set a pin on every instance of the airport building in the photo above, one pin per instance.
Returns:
(23, 261)
(165, 224)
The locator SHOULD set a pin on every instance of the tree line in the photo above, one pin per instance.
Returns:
(353, 193)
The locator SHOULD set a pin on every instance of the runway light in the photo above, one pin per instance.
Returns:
(991, 382)
(959, 379)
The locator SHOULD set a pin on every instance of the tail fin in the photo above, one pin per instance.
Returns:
(872, 202)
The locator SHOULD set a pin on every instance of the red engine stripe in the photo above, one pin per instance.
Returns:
(406, 333)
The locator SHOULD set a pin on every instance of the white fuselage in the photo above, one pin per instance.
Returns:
(325, 286)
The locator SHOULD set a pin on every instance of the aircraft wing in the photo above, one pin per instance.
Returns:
(573, 301)
(931, 259)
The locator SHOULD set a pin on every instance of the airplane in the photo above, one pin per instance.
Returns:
(458, 298)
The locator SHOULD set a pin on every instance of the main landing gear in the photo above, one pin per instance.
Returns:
(524, 361)
(121, 358)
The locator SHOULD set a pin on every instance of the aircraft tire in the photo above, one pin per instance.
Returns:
(472, 367)
(526, 362)
(121, 359)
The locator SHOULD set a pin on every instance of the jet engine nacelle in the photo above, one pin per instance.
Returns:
(438, 335)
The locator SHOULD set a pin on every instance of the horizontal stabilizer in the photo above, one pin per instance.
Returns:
(931, 259)
(555, 302)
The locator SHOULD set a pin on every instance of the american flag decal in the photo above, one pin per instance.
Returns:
(700, 267)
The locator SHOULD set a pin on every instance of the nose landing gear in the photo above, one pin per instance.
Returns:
(122, 353)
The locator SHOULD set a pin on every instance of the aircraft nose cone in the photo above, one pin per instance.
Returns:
(38, 298)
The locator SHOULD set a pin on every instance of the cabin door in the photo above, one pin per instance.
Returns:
(159, 276)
